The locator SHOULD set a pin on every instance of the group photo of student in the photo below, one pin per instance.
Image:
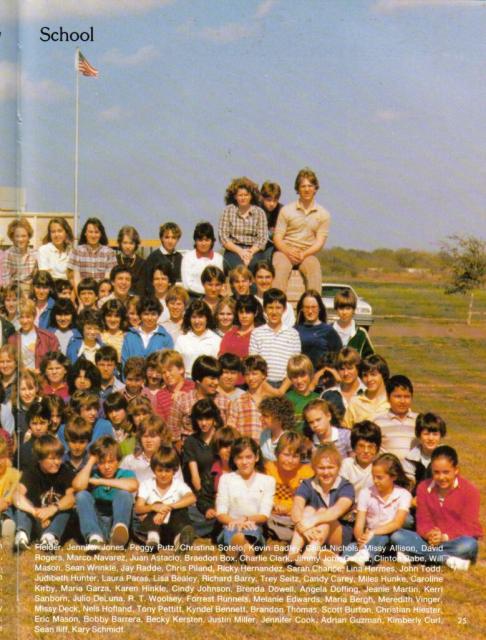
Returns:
(181, 396)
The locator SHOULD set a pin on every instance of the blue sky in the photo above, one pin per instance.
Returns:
(385, 99)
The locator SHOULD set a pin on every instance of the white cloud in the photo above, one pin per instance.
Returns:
(264, 8)
(120, 59)
(43, 90)
(52, 9)
(388, 6)
(114, 113)
(46, 91)
(389, 115)
(8, 80)
(229, 32)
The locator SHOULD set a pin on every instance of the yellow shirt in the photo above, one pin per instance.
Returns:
(362, 408)
(8, 483)
(115, 341)
(285, 489)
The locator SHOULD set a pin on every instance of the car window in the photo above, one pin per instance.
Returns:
(329, 291)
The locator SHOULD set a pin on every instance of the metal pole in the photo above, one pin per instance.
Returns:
(76, 148)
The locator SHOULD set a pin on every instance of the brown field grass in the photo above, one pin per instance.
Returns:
(450, 377)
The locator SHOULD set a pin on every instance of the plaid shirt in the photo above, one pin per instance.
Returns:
(164, 399)
(245, 417)
(92, 264)
(179, 421)
(20, 266)
(247, 232)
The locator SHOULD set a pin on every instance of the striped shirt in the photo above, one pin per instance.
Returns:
(245, 417)
(276, 347)
(397, 434)
(179, 421)
(92, 263)
(245, 231)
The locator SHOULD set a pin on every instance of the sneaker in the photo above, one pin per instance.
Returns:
(8, 529)
(359, 559)
(94, 545)
(457, 564)
(153, 541)
(184, 539)
(21, 542)
(402, 558)
(49, 543)
(119, 535)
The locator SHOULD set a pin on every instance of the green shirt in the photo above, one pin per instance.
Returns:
(300, 402)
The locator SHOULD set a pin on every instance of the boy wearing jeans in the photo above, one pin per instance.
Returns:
(44, 497)
(104, 496)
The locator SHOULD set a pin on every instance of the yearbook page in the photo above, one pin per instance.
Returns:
(176, 460)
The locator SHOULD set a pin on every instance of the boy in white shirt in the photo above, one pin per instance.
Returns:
(366, 443)
(162, 504)
(194, 262)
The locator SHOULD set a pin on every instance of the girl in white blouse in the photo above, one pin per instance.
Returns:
(244, 501)
(54, 253)
(198, 337)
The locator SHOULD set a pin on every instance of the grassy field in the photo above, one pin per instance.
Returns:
(449, 377)
(401, 301)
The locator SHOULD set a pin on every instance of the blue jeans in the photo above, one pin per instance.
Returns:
(412, 544)
(93, 522)
(375, 547)
(254, 536)
(8, 514)
(232, 260)
(202, 526)
(32, 527)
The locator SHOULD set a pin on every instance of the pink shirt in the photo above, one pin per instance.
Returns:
(380, 511)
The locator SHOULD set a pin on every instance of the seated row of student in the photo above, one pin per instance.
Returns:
(448, 524)
(312, 530)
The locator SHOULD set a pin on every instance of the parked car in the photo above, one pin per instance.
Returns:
(364, 313)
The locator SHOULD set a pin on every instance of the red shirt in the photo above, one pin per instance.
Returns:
(239, 345)
(457, 515)
(234, 343)
(62, 391)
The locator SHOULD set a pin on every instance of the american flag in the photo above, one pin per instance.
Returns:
(85, 67)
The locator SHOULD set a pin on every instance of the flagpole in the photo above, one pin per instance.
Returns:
(76, 146)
